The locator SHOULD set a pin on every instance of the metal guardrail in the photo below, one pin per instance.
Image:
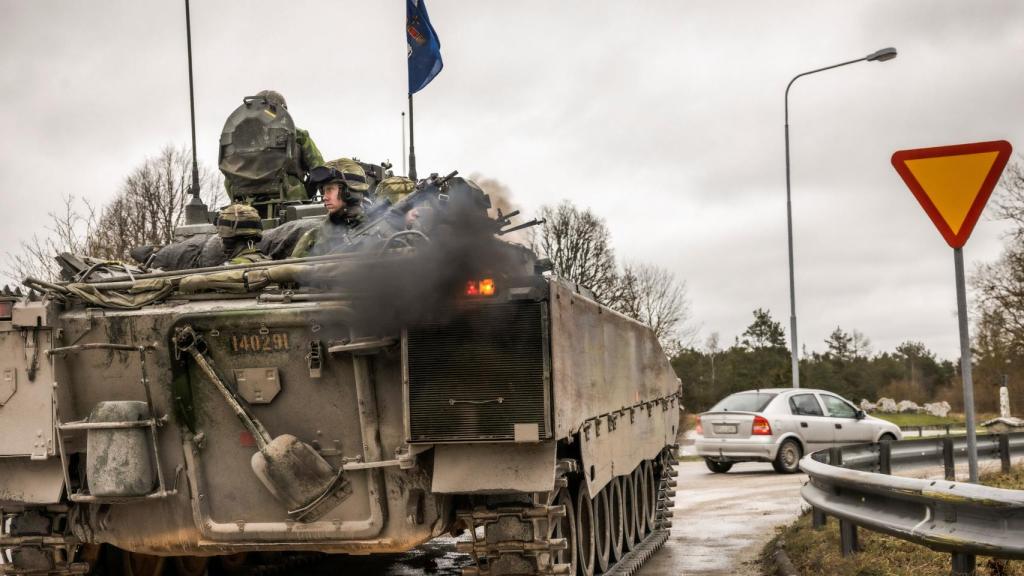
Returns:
(855, 484)
(948, 428)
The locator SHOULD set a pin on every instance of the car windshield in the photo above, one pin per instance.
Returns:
(744, 402)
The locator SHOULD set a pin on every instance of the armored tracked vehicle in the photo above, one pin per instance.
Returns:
(433, 381)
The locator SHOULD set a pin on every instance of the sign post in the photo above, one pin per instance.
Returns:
(952, 184)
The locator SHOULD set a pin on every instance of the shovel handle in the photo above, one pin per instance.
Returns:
(260, 434)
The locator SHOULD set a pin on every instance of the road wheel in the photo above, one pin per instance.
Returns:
(886, 438)
(717, 466)
(628, 512)
(787, 461)
(603, 528)
(617, 518)
(565, 527)
(585, 530)
(650, 495)
(640, 489)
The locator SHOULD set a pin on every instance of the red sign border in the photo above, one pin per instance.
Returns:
(957, 240)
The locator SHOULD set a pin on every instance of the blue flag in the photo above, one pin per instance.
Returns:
(424, 47)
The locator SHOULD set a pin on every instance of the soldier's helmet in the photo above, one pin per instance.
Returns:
(239, 221)
(394, 188)
(274, 97)
(343, 170)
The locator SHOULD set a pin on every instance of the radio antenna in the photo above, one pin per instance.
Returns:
(195, 210)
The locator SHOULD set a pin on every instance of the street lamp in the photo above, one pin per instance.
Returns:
(878, 56)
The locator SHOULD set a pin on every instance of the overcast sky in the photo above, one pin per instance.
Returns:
(665, 118)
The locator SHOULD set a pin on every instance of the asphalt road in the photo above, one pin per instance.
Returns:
(721, 522)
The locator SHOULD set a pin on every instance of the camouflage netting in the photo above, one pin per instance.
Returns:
(238, 281)
(141, 293)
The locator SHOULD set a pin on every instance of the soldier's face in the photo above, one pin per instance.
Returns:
(332, 198)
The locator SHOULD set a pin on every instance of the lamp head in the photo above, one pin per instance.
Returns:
(882, 55)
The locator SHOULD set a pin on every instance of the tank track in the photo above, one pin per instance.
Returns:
(511, 544)
(33, 542)
(632, 561)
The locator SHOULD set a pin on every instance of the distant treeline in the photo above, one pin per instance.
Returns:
(760, 359)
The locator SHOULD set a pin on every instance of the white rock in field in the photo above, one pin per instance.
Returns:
(886, 405)
(940, 409)
(907, 406)
(867, 406)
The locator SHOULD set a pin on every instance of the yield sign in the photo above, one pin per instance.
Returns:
(953, 183)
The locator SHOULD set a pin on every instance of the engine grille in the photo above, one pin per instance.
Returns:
(458, 370)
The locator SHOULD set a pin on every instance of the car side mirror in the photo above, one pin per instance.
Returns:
(860, 415)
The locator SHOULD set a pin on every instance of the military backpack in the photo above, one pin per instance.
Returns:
(258, 150)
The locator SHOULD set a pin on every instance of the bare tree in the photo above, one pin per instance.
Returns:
(1010, 199)
(654, 296)
(578, 244)
(147, 208)
(66, 232)
(150, 205)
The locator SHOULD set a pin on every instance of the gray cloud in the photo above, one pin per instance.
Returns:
(664, 117)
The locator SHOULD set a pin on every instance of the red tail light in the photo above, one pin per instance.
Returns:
(483, 287)
(700, 428)
(5, 310)
(761, 427)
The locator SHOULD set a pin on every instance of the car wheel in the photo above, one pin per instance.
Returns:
(887, 438)
(787, 461)
(718, 467)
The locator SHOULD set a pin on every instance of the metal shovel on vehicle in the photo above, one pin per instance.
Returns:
(289, 468)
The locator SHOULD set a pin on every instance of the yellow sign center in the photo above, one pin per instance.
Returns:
(953, 182)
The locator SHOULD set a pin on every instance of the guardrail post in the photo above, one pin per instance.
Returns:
(948, 461)
(835, 456)
(818, 518)
(1004, 452)
(885, 458)
(848, 537)
(964, 564)
(920, 431)
(947, 429)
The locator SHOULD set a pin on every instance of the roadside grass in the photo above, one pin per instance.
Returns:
(817, 551)
(919, 419)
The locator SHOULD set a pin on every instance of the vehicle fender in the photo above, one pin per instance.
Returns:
(883, 431)
(24, 481)
(786, 436)
(483, 468)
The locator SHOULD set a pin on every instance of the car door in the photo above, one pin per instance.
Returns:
(848, 429)
(810, 422)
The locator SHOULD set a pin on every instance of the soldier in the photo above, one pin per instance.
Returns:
(264, 157)
(240, 229)
(342, 183)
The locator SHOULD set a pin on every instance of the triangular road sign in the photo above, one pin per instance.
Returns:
(953, 183)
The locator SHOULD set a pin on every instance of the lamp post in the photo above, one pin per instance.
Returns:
(878, 56)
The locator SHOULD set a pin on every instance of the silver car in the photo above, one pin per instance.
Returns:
(780, 425)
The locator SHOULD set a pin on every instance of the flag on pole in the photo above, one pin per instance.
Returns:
(424, 47)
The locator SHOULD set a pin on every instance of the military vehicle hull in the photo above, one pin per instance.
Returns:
(190, 428)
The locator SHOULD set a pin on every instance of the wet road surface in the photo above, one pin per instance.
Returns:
(721, 522)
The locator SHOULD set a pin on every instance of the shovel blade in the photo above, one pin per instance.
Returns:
(300, 478)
